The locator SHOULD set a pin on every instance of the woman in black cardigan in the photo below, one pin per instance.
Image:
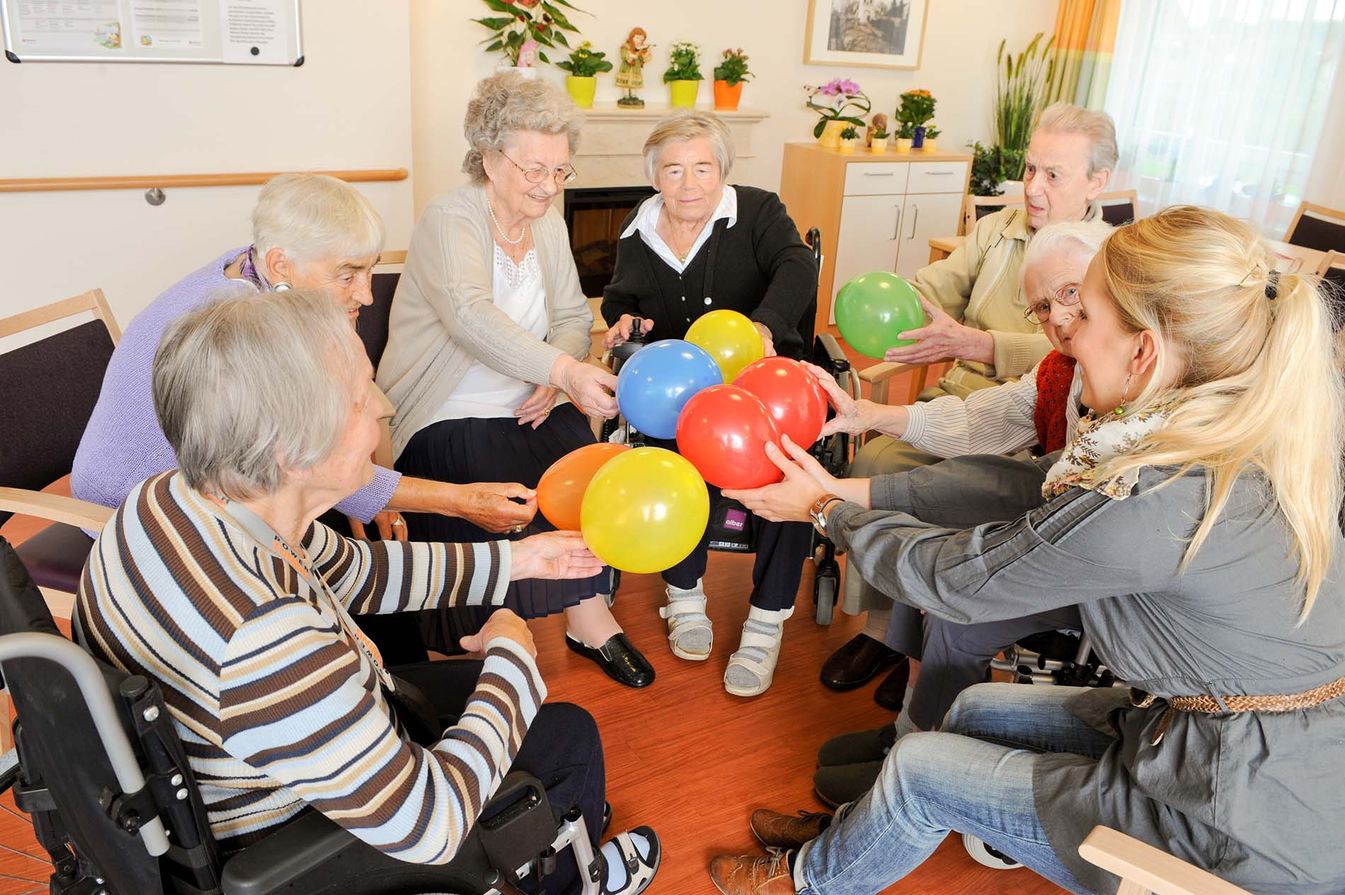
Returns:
(700, 245)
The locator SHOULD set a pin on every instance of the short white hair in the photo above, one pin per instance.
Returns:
(508, 103)
(313, 216)
(1098, 127)
(689, 124)
(1079, 236)
(250, 389)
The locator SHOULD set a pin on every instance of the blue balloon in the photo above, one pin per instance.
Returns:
(658, 380)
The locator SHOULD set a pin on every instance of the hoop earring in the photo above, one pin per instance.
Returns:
(1125, 390)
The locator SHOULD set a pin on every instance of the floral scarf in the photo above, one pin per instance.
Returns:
(1098, 440)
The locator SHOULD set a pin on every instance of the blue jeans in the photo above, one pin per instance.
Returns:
(975, 776)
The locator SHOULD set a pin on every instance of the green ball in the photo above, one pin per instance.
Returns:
(874, 308)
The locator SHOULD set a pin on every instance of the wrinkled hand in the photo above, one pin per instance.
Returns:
(855, 417)
(502, 623)
(790, 500)
(494, 506)
(390, 525)
(620, 331)
(590, 388)
(535, 410)
(553, 554)
(942, 337)
(767, 343)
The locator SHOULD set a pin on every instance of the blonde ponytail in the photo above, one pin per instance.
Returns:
(1249, 353)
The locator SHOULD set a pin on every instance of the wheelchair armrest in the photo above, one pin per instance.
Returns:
(829, 355)
(292, 851)
(54, 508)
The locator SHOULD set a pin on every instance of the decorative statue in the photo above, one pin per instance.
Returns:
(635, 52)
(877, 125)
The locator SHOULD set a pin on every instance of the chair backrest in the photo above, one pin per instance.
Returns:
(372, 324)
(1120, 207)
(1332, 272)
(51, 387)
(65, 773)
(976, 207)
(1317, 227)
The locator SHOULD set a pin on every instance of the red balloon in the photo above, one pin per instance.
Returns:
(795, 401)
(723, 431)
(560, 493)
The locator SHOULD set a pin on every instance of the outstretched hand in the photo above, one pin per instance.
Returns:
(787, 501)
(942, 337)
(553, 554)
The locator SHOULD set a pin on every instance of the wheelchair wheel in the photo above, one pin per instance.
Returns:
(826, 584)
(615, 583)
(986, 856)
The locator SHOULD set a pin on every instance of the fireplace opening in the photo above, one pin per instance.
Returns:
(593, 216)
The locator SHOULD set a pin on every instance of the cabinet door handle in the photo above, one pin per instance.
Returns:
(915, 219)
(896, 227)
(887, 173)
(939, 173)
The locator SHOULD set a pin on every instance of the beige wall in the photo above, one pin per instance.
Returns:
(348, 106)
(958, 66)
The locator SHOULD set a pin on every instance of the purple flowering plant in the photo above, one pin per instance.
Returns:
(840, 99)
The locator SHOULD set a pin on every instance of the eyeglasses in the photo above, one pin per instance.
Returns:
(1065, 296)
(564, 174)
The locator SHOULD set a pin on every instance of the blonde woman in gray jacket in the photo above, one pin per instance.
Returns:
(486, 347)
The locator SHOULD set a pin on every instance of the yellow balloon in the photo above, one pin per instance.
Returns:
(645, 510)
(730, 338)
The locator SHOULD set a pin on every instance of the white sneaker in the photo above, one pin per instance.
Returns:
(752, 668)
(689, 633)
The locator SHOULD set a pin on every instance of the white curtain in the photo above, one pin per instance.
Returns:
(1223, 102)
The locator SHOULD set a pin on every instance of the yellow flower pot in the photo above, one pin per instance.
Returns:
(878, 145)
(581, 90)
(903, 144)
(831, 134)
(682, 94)
(931, 144)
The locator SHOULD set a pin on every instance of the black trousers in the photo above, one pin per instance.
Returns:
(562, 747)
(781, 550)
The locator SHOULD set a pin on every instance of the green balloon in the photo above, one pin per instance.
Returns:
(874, 308)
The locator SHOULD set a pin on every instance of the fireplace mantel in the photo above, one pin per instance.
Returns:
(612, 138)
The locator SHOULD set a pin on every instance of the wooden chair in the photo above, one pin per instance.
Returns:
(976, 207)
(1120, 207)
(1317, 227)
(1145, 870)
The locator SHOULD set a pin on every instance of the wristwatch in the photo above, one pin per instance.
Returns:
(818, 512)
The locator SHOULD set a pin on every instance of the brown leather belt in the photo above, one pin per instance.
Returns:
(1284, 702)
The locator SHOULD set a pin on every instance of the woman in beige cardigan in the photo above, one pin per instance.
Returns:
(487, 341)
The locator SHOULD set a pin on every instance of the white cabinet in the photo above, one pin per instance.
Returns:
(870, 235)
(922, 218)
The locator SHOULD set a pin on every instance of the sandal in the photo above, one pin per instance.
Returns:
(752, 668)
(689, 633)
(630, 860)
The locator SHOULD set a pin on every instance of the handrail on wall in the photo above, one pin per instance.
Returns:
(173, 181)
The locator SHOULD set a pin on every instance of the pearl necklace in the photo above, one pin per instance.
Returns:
(505, 236)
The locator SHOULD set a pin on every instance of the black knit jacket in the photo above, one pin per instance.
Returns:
(759, 267)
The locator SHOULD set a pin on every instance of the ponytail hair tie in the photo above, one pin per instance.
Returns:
(1272, 285)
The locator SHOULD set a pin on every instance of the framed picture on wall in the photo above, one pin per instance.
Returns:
(871, 33)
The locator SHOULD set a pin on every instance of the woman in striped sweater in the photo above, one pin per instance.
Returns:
(217, 582)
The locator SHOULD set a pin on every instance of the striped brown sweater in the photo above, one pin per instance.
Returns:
(276, 700)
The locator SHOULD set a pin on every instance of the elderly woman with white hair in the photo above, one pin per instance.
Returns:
(978, 315)
(701, 245)
(308, 232)
(217, 581)
(487, 342)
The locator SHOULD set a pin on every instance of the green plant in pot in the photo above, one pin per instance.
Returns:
(850, 138)
(838, 102)
(521, 29)
(932, 138)
(916, 108)
(584, 66)
(730, 74)
(985, 167)
(905, 133)
(878, 133)
(683, 76)
(1020, 92)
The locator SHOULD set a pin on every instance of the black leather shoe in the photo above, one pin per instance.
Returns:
(619, 658)
(855, 663)
(891, 693)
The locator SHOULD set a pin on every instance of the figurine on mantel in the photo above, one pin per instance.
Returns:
(635, 52)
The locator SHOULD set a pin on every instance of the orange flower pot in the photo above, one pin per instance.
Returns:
(726, 97)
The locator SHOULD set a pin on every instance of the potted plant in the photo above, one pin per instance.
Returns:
(878, 133)
(850, 139)
(683, 76)
(916, 109)
(838, 102)
(584, 66)
(729, 77)
(524, 29)
(932, 138)
(905, 133)
(985, 170)
(1019, 92)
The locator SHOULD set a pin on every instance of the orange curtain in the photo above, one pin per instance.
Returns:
(1085, 37)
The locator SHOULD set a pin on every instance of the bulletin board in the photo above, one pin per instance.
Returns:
(235, 32)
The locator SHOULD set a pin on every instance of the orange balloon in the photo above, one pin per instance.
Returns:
(560, 493)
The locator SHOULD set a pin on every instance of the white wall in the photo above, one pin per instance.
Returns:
(347, 107)
(958, 65)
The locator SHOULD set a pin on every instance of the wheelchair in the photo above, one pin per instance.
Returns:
(732, 527)
(114, 804)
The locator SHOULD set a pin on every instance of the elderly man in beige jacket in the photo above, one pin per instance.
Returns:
(977, 316)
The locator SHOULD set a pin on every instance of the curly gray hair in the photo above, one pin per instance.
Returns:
(507, 103)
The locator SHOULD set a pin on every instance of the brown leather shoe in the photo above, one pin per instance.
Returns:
(856, 662)
(752, 874)
(776, 830)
